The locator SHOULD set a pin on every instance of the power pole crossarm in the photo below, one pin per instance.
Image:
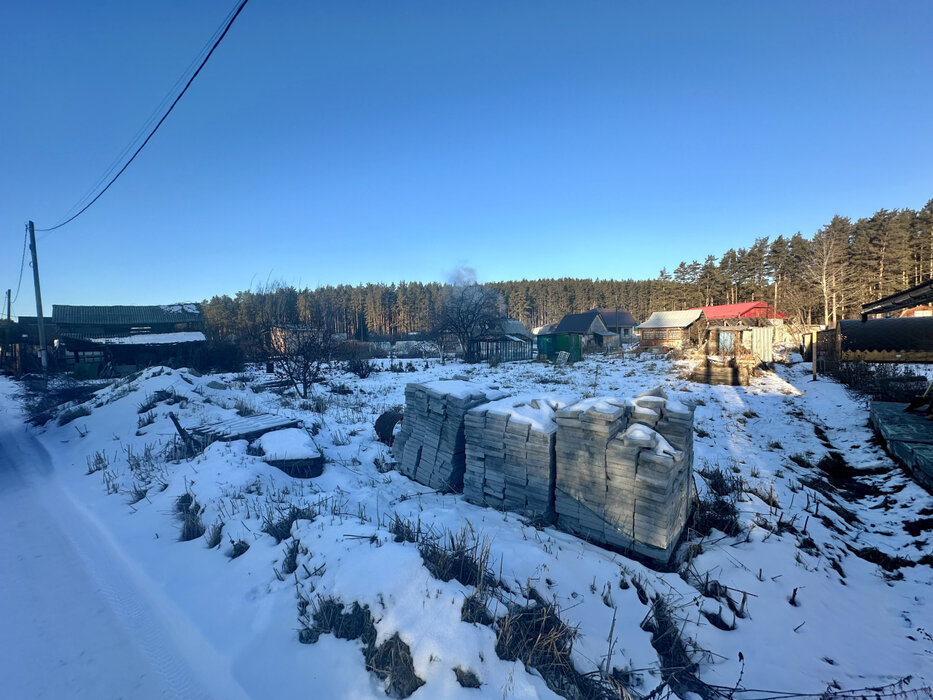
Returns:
(35, 276)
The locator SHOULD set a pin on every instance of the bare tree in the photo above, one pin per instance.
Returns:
(827, 262)
(468, 310)
(301, 352)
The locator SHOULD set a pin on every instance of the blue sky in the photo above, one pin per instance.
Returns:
(348, 142)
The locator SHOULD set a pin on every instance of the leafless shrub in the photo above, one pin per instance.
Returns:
(361, 368)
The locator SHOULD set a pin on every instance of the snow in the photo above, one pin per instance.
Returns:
(536, 410)
(290, 443)
(462, 389)
(103, 600)
(153, 339)
(641, 435)
(179, 308)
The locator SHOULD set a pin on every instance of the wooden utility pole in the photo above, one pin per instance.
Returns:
(35, 276)
(8, 294)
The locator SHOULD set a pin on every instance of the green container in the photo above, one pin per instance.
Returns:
(550, 345)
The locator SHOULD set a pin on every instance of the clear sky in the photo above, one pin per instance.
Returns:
(342, 141)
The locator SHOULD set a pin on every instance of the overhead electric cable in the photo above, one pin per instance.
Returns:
(181, 94)
(152, 116)
(22, 266)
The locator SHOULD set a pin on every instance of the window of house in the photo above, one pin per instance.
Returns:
(675, 334)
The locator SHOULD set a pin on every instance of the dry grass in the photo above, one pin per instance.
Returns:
(70, 414)
(537, 636)
(278, 523)
(290, 561)
(215, 534)
(391, 661)
(466, 678)
(98, 462)
(238, 548)
(154, 399)
(455, 557)
(188, 511)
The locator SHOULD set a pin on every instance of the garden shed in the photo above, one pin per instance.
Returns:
(672, 328)
(741, 338)
(549, 345)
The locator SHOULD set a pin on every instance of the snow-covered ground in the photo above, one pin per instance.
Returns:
(102, 599)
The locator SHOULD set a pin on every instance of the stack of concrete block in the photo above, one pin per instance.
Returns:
(430, 446)
(510, 455)
(584, 430)
(644, 452)
(669, 417)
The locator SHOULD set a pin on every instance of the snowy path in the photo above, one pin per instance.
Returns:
(91, 628)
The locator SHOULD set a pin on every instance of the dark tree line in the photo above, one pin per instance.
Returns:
(814, 280)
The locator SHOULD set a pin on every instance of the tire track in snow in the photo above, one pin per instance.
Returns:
(187, 665)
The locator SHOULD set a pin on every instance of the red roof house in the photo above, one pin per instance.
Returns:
(748, 309)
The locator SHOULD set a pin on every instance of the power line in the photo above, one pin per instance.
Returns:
(204, 61)
(22, 266)
(150, 120)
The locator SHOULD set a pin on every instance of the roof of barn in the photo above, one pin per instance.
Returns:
(65, 315)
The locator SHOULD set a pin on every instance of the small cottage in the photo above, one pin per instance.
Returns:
(622, 323)
(672, 329)
(591, 329)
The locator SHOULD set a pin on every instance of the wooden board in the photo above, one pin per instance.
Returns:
(243, 428)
